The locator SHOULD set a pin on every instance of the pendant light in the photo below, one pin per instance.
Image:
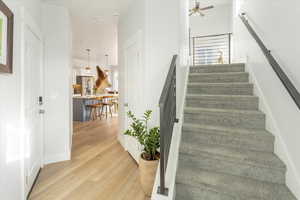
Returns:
(88, 68)
(106, 59)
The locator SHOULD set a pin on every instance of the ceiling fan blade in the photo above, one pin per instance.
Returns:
(202, 15)
(206, 8)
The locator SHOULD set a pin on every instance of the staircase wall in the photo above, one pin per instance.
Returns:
(220, 14)
(131, 22)
(167, 35)
(164, 28)
(283, 116)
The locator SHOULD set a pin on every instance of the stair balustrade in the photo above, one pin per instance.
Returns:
(211, 49)
(167, 105)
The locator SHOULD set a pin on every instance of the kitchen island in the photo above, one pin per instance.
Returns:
(80, 110)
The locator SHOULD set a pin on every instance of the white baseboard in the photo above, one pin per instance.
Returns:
(57, 158)
(281, 148)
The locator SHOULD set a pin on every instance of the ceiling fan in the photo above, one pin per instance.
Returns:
(197, 10)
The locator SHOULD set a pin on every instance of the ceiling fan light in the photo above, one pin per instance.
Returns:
(196, 11)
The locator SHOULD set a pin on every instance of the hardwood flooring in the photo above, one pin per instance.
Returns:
(100, 169)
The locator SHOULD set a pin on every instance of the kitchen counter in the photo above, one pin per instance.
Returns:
(80, 110)
(93, 96)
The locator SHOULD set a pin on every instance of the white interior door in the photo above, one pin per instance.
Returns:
(33, 119)
(134, 90)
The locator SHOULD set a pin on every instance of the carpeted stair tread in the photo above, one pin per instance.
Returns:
(248, 119)
(265, 159)
(236, 186)
(240, 102)
(190, 192)
(197, 110)
(235, 132)
(218, 68)
(259, 140)
(219, 77)
(220, 88)
(256, 165)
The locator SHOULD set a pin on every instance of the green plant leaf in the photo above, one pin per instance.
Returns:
(148, 138)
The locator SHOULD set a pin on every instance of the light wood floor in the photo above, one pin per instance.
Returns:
(100, 169)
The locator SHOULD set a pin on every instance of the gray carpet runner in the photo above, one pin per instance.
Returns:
(226, 153)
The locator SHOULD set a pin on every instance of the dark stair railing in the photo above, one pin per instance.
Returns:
(292, 90)
(167, 105)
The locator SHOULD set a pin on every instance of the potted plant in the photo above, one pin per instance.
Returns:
(149, 138)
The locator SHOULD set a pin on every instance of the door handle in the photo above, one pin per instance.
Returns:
(125, 104)
(40, 101)
(42, 111)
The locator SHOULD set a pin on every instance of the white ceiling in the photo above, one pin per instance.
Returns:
(94, 24)
(211, 2)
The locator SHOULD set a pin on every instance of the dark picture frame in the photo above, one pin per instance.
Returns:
(7, 67)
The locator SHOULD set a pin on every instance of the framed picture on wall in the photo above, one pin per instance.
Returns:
(6, 38)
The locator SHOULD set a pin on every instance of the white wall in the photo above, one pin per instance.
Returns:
(160, 36)
(276, 23)
(11, 180)
(160, 33)
(162, 42)
(33, 7)
(164, 27)
(58, 82)
(79, 65)
(130, 23)
(114, 78)
(181, 38)
(216, 21)
(11, 133)
(82, 63)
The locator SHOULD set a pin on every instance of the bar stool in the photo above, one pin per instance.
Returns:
(99, 106)
(115, 102)
(107, 104)
(93, 108)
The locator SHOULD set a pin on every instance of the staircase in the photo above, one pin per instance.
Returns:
(226, 153)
